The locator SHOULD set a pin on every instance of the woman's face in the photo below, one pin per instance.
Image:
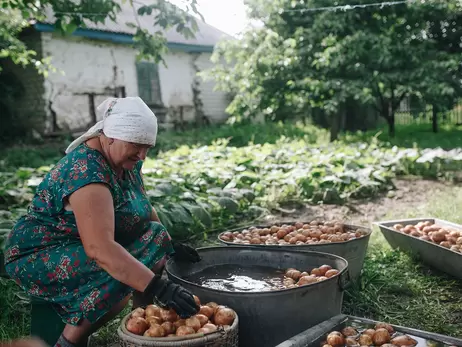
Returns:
(127, 154)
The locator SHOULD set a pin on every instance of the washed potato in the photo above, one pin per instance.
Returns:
(444, 236)
(157, 322)
(296, 234)
(380, 335)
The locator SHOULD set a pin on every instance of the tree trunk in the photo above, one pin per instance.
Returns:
(335, 124)
(391, 120)
(435, 118)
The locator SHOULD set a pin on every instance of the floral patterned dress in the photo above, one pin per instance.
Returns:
(44, 253)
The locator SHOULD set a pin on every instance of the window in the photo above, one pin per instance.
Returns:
(149, 83)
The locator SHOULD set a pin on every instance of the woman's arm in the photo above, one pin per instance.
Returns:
(154, 216)
(94, 212)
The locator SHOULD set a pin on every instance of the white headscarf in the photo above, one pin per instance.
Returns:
(127, 119)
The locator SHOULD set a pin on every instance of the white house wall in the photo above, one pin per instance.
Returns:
(88, 66)
(85, 67)
(214, 102)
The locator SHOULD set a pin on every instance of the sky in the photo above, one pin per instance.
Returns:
(227, 15)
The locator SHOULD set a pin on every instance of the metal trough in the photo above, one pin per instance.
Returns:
(432, 254)
(312, 337)
(354, 251)
(269, 318)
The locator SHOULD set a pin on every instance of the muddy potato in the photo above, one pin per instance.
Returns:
(225, 316)
(179, 323)
(155, 331)
(403, 340)
(349, 341)
(154, 320)
(211, 327)
(139, 312)
(168, 315)
(349, 331)
(335, 339)
(169, 327)
(321, 278)
(184, 330)
(366, 339)
(381, 336)
(137, 325)
(369, 332)
(438, 236)
(385, 326)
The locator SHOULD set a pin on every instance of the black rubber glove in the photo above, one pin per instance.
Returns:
(185, 253)
(172, 295)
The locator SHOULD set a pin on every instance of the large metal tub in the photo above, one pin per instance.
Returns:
(354, 251)
(268, 318)
(434, 255)
(313, 336)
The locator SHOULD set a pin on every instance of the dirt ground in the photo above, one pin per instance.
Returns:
(410, 194)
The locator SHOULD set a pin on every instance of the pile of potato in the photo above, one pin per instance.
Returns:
(157, 322)
(295, 278)
(297, 234)
(382, 335)
(428, 231)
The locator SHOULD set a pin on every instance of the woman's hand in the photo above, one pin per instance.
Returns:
(185, 253)
(93, 208)
(169, 294)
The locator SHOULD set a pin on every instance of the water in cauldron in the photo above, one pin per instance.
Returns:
(238, 278)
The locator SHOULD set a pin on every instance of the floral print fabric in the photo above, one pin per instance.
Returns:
(44, 253)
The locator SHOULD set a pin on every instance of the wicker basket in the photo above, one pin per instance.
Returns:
(220, 338)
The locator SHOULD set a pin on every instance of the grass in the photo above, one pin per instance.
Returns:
(410, 136)
(397, 289)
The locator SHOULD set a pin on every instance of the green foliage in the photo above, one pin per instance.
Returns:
(15, 16)
(198, 188)
(323, 59)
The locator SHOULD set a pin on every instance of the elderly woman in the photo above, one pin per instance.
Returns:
(91, 237)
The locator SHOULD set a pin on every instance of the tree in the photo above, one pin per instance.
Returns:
(16, 15)
(324, 59)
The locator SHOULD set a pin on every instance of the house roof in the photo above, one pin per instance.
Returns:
(206, 35)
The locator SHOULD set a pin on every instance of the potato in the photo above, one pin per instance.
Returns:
(349, 341)
(169, 327)
(155, 331)
(381, 336)
(335, 339)
(324, 268)
(152, 310)
(225, 316)
(137, 325)
(403, 340)
(306, 280)
(184, 330)
(139, 312)
(365, 339)
(385, 326)
(438, 236)
(369, 332)
(193, 322)
(331, 273)
(349, 331)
